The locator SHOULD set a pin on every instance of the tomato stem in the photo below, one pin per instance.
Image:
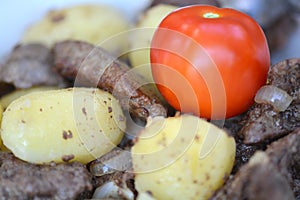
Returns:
(211, 15)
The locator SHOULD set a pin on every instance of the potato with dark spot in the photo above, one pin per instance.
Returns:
(63, 125)
(90, 23)
(182, 157)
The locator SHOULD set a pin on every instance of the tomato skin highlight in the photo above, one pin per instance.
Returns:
(209, 61)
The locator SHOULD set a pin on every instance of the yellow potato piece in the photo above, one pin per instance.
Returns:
(10, 97)
(75, 124)
(90, 23)
(140, 38)
(182, 158)
(1, 112)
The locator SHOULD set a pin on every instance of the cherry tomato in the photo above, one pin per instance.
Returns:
(209, 61)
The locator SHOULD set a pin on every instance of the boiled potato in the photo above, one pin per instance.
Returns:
(75, 124)
(141, 37)
(1, 111)
(182, 157)
(10, 97)
(91, 23)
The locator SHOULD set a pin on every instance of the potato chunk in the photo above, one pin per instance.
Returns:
(90, 23)
(10, 97)
(1, 112)
(141, 37)
(182, 158)
(75, 124)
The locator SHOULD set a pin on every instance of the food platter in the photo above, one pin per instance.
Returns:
(84, 113)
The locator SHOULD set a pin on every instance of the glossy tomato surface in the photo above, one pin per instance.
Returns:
(209, 61)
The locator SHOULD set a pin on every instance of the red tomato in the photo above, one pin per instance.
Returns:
(209, 61)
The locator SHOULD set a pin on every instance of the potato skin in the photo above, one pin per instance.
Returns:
(182, 158)
(90, 23)
(66, 125)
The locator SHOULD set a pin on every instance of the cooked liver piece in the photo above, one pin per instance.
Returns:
(29, 65)
(273, 174)
(21, 180)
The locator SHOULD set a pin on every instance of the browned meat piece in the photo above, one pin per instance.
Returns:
(186, 2)
(5, 88)
(21, 180)
(263, 123)
(92, 66)
(243, 151)
(285, 154)
(273, 174)
(29, 65)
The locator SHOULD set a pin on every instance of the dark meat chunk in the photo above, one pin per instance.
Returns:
(273, 174)
(243, 151)
(29, 65)
(186, 2)
(92, 66)
(21, 180)
(258, 180)
(263, 123)
(286, 75)
(5, 88)
(285, 154)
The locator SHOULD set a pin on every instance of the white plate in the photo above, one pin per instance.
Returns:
(17, 15)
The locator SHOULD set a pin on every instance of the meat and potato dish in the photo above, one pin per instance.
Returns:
(80, 120)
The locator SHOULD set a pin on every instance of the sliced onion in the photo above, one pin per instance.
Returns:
(274, 96)
(111, 190)
(113, 161)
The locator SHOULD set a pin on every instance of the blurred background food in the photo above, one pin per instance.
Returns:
(279, 18)
(90, 23)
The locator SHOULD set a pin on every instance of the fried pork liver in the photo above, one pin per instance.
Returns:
(29, 65)
(22, 180)
(273, 174)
